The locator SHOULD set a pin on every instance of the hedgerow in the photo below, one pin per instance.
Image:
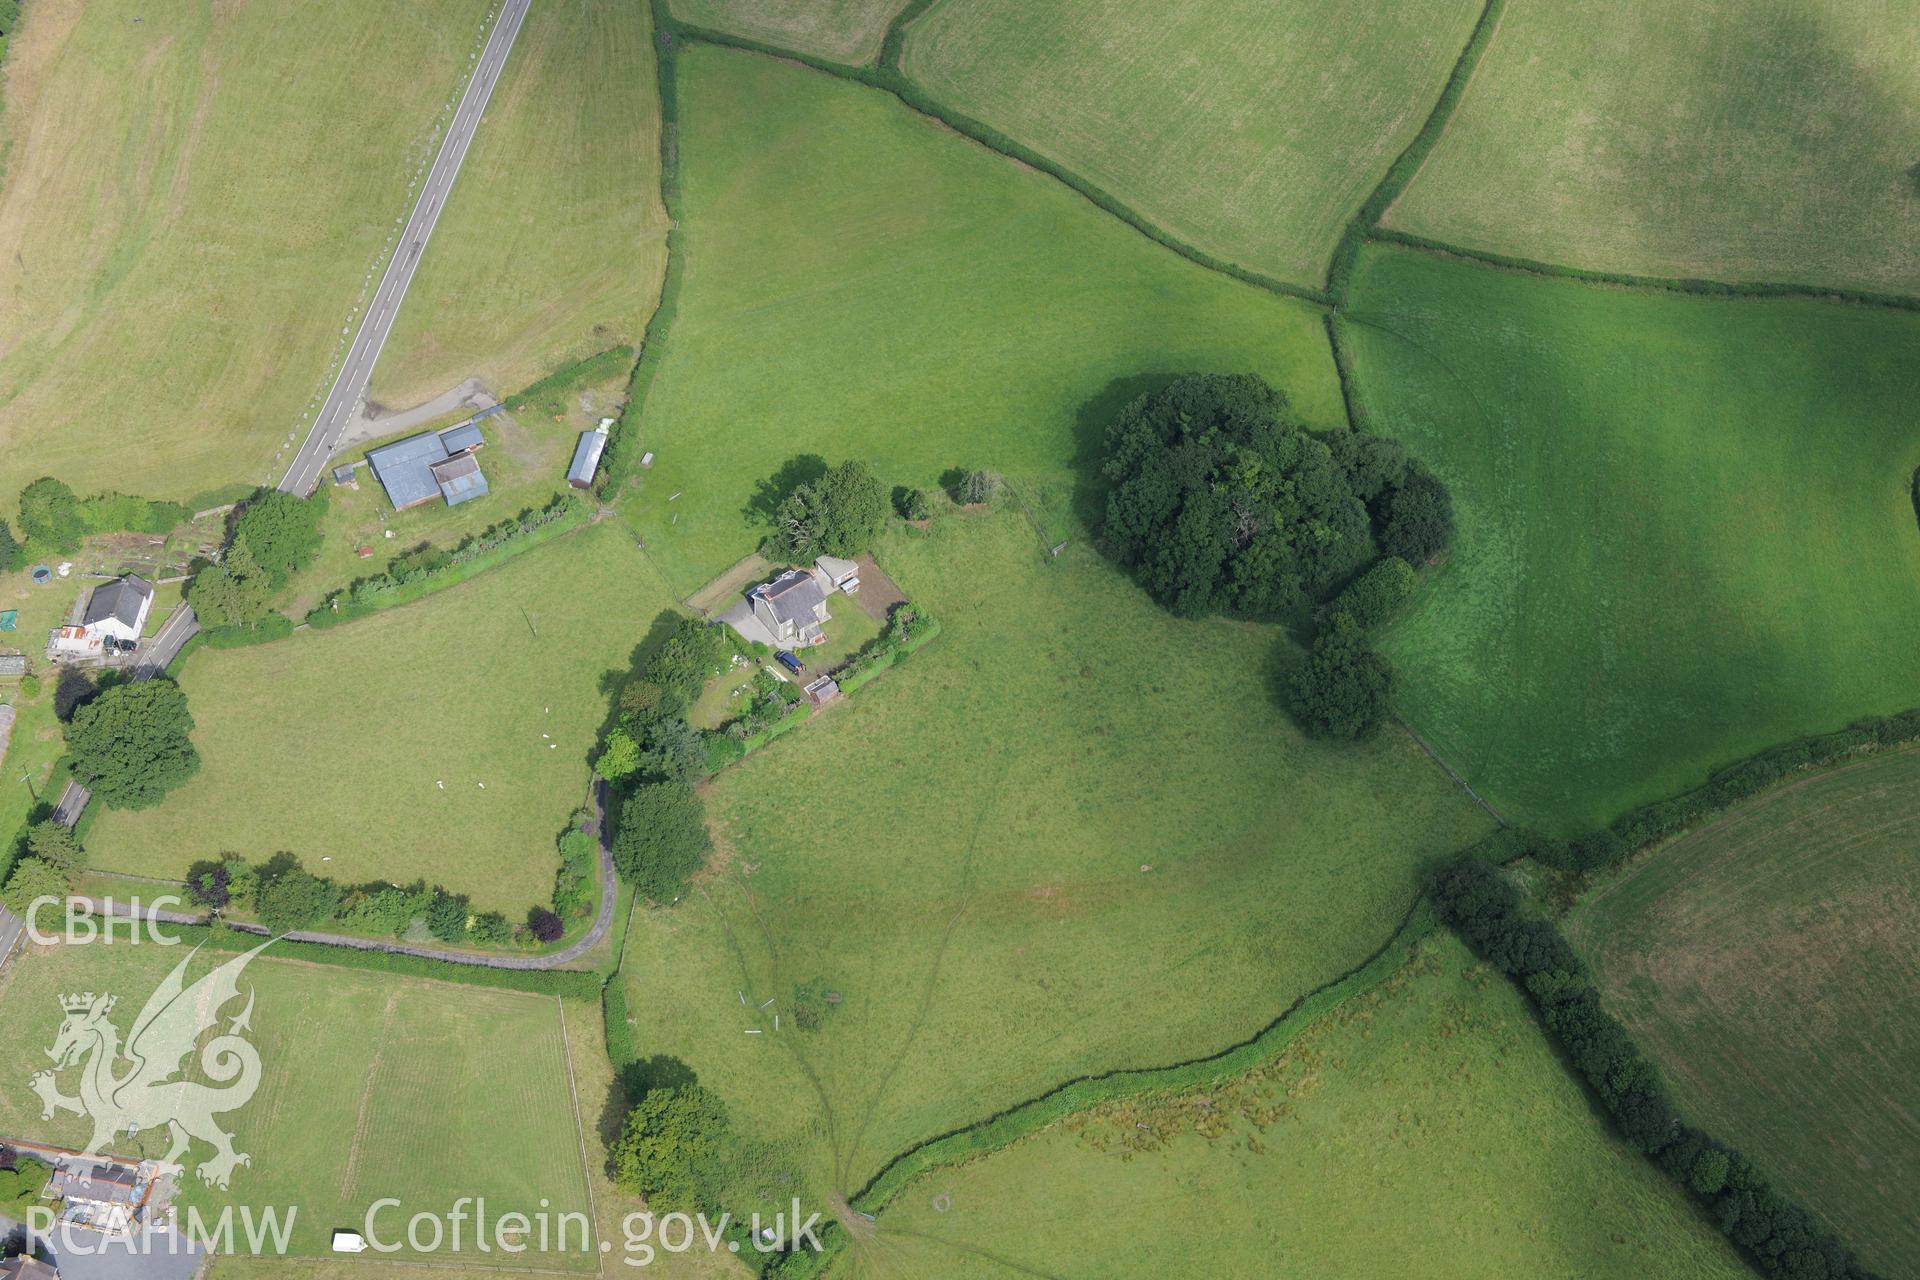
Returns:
(1781, 1237)
(1669, 284)
(595, 368)
(1407, 164)
(403, 584)
(1648, 823)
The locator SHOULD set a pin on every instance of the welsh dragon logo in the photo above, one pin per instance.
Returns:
(137, 1086)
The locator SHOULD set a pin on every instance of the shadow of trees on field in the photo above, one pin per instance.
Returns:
(1090, 425)
(613, 681)
(763, 505)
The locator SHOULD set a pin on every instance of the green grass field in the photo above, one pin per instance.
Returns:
(1071, 834)
(1768, 964)
(847, 31)
(333, 744)
(553, 242)
(1730, 139)
(861, 283)
(1250, 129)
(1425, 1120)
(194, 196)
(372, 1085)
(1685, 527)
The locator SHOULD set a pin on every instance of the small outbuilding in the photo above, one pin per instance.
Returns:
(586, 458)
(843, 574)
(12, 666)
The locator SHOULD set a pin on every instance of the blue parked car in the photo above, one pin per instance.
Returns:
(788, 661)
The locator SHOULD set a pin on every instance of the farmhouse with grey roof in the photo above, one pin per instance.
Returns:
(437, 464)
(119, 608)
(786, 612)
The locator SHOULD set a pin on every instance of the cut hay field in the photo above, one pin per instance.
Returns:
(193, 196)
(1249, 129)
(372, 1085)
(1768, 963)
(1426, 1118)
(848, 31)
(1070, 835)
(1727, 139)
(862, 283)
(334, 744)
(1685, 526)
(554, 240)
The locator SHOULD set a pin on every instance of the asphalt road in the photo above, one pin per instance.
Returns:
(157, 654)
(350, 388)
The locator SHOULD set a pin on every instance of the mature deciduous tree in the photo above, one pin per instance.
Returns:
(281, 531)
(1220, 501)
(670, 1146)
(1342, 689)
(130, 744)
(838, 514)
(50, 515)
(662, 839)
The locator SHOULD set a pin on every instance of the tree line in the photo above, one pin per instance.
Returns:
(1782, 1237)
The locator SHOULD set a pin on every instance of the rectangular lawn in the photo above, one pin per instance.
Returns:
(446, 739)
(372, 1085)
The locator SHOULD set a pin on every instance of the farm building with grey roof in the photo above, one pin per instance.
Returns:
(435, 464)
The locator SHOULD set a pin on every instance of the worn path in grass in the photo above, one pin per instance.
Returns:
(1768, 963)
(1428, 1110)
(1685, 526)
(1070, 835)
(445, 739)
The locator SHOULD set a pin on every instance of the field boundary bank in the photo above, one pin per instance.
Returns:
(1774, 1232)
(889, 78)
(1412, 158)
(1695, 287)
(1022, 1119)
(1641, 829)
